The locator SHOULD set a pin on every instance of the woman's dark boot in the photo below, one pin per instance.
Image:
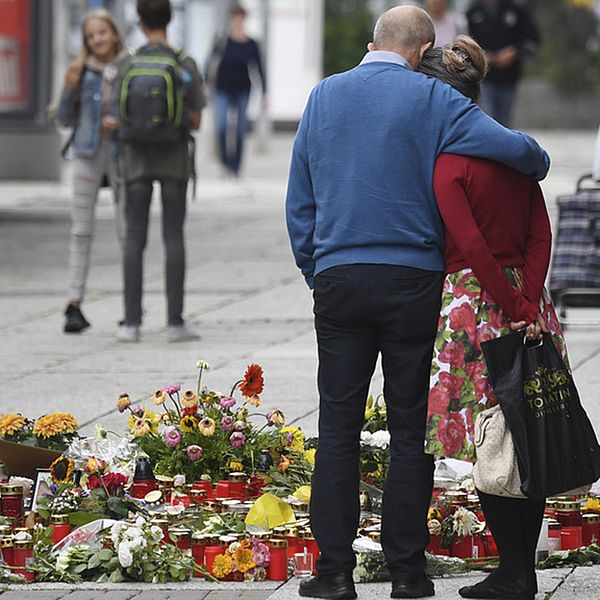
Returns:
(512, 579)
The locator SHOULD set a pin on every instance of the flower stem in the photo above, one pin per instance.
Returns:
(235, 386)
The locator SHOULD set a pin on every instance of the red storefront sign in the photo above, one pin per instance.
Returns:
(14, 54)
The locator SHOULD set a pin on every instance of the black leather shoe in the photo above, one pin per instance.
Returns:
(498, 589)
(415, 587)
(337, 586)
(75, 321)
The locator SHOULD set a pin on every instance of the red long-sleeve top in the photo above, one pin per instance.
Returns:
(494, 217)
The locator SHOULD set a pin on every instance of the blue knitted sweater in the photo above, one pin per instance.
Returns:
(360, 184)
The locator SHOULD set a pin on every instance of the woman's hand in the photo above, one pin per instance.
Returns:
(73, 75)
(534, 330)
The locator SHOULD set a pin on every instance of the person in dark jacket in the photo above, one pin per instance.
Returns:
(229, 74)
(506, 31)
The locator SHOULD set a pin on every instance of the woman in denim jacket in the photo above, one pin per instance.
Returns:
(84, 106)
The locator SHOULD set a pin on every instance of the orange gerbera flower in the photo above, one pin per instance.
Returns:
(253, 383)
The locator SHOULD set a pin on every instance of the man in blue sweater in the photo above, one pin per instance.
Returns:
(366, 233)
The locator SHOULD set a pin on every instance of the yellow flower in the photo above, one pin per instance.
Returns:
(55, 424)
(222, 566)
(187, 423)
(144, 425)
(61, 469)
(207, 426)
(593, 504)
(189, 399)
(253, 400)
(235, 466)
(11, 423)
(309, 455)
(293, 439)
(159, 397)
(243, 559)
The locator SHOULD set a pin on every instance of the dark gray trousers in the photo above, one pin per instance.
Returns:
(137, 213)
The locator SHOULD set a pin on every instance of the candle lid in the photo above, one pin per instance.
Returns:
(7, 489)
(6, 542)
(567, 506)
(57, 519)
(591, 518)
(238, 476)
(153, 497)
(23, 544)
(278, 543)
(227, 539)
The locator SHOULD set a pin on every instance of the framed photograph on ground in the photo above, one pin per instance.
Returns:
(43, 481)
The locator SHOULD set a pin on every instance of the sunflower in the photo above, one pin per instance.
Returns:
(189, 399)
(53, 424)
(11, 424)
(243, 558)
(61, 469)
(222, 566)
(253, 383)
(187, 423)
(207, 426)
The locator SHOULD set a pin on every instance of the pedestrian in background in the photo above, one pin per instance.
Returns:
(366, 233)
(497, 252)
(447, 23)
(229, 77)
(506, 31)
(155, 146)
(85, 107)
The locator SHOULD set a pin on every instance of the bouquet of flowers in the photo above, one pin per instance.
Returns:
(242, 561)
(203, 432)
(54, 431)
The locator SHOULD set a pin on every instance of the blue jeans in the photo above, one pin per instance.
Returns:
(231, 141)
(498, 100)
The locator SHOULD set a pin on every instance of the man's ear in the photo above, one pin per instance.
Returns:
(370, 47)
(424, 48)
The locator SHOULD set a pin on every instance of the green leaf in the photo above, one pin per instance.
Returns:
(105, 554)
(83, 518)
(80, 568)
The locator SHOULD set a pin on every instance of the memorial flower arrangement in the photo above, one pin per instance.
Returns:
(243, 561)
(129, 552)
(55, 430)
(204, 432)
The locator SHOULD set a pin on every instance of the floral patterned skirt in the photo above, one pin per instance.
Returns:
(459, 388)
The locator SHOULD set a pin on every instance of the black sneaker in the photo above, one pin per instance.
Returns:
(75, 322)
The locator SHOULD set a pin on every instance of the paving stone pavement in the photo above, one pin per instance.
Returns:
(245, 297)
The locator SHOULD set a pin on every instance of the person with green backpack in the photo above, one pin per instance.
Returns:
(158, 99)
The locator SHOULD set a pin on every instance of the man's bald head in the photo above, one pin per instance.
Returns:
(403, 29)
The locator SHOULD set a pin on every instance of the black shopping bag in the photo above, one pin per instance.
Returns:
(556, 446)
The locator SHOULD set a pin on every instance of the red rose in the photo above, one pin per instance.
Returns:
(454, 354)
(452, 432)
(477, 374)
(190, 410)
(462, 318)
(468, 278)
(114, 483)
(438, 400)
(452, 383)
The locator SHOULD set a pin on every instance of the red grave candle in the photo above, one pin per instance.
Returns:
(60, 527)
(278, 563)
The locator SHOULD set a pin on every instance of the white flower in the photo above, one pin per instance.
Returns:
(62, 562)
(125, 555)
(379, 439)
(465, 522)
(115, 531)
(179, 480)
(156, 533)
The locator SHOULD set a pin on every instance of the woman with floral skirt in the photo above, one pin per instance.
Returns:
(497, 253)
